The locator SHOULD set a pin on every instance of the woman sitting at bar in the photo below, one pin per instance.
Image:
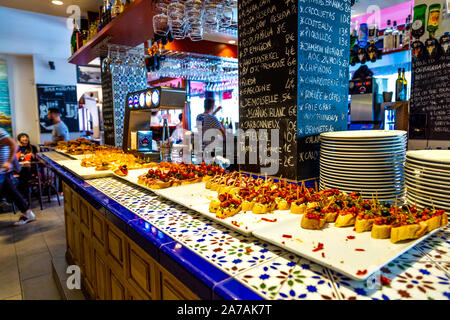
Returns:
(26, 151)
(25, 154)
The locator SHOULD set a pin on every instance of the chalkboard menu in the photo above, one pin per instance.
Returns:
(430, 96)
(267, 76)
(58, 96)
(108, 109)
(293, 76)
(322, 84)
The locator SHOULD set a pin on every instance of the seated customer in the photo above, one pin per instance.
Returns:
(60, 131)
(27, 151)
(8, 149)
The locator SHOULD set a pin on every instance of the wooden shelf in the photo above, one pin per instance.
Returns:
(135, 26)
(395, 51)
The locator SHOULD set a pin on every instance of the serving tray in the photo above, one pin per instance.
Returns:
(85, 173)
(356, 257)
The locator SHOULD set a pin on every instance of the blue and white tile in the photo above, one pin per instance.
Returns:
(400, 279)
(290, 277)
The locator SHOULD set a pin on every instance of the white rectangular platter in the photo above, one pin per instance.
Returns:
(85, 173)
(197, 198)
(339, 252)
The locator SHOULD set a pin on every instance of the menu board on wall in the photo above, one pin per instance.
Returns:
(293, 76)
(323, 67)
(430, 89)
(267, 76)
(58, 96)
(108, 110)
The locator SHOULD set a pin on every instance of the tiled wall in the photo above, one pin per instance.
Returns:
(124, 83)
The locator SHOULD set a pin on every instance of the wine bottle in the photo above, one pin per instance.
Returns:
(399, 86)
(73, 39)
(405, 86)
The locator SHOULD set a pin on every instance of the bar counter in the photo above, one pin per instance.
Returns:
(131, 244)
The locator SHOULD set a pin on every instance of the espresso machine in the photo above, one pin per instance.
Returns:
(141, 137)
(365, 106)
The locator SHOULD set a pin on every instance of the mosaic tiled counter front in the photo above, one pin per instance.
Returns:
(218, 263)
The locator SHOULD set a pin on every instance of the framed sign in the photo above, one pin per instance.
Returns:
(58, 96)
(89, 75)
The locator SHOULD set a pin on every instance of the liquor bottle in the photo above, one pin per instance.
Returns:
(445, 43)
(395, 36)
(230, 125)
(434, 13)
(388, 38)
(418, 26)
(399, 86)
(115, 9)
(363, 35)
(405, 85)
(73, 39)
(406, 36)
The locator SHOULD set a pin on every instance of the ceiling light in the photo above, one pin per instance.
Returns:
(232, 41)
(57, 2)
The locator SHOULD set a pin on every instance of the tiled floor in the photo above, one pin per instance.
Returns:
(26, 253)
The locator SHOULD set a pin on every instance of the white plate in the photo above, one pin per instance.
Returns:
(437, 183)
(197, 198)
(359, 166)
(337, 254)
(361, 178)
(441, 191)
(424, 195)
(367, 155)
(433, 156)
(360, 150)
(366, 143)
(353, 173)
(365, 185)
(417, 174)
(424, 169)
(398, 188)
(355, 162)
(363, 134)
(444, 167)
(425, 204)
(86, 173)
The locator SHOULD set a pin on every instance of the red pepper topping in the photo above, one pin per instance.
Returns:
(268, 220)
(234, 223)
(361, 273)
(350, 237)
(319, 247)
(323, 254)
(287, 236)
(248, 250)
(385, 281)
(360, 250)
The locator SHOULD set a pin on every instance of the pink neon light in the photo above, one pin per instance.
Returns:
(397, 13)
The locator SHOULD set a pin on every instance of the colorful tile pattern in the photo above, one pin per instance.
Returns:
(420, 273)
(123, 83)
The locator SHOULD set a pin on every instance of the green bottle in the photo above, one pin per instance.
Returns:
(418, 26)
(434, 13)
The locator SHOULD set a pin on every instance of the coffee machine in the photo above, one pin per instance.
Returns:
(365, 106)
(140, 137)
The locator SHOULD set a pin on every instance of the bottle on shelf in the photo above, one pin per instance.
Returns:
(406, 34)
(74, 37)
(418, 26)
(399, 86)
(395, 36)
(363, 35)
(445, 43)
(405, 86)
(388, 38)
(115, 9)
(434, 12)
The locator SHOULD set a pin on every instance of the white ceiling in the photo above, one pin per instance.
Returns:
(46, 6)
(361, 6)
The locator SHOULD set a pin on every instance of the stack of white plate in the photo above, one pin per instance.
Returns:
(371, 162)
(427, 176)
